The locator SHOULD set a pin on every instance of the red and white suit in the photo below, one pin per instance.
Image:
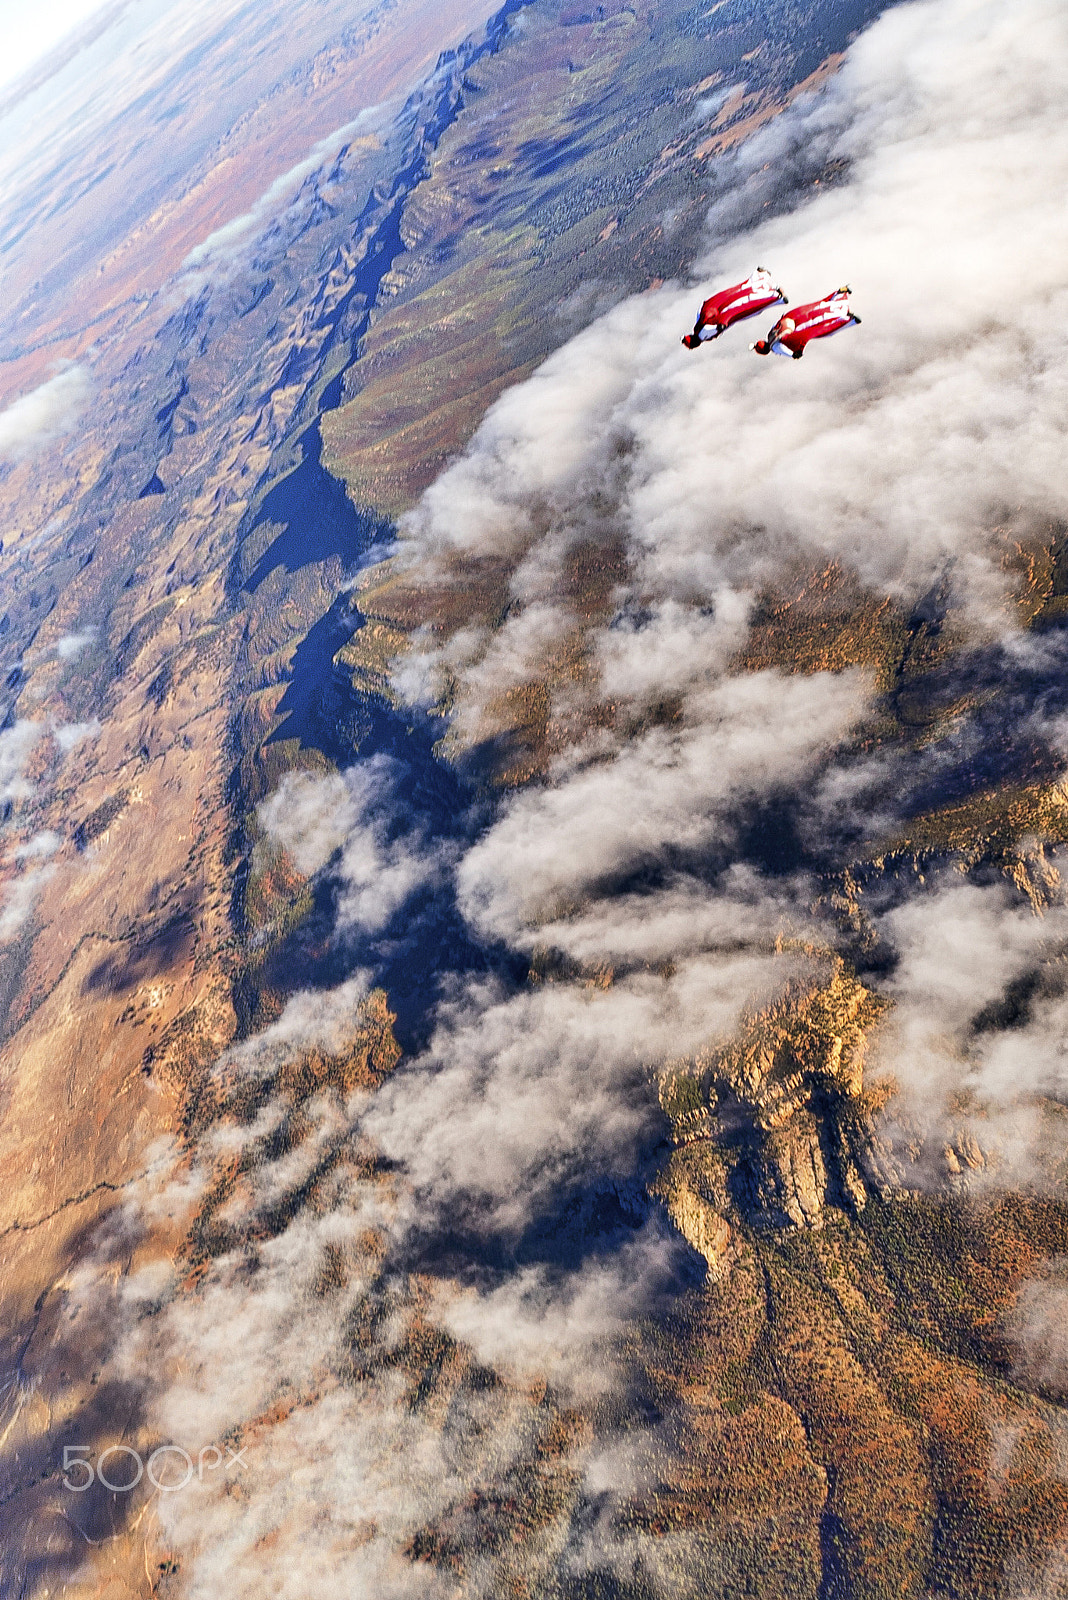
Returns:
(816, 320)
(757, 293)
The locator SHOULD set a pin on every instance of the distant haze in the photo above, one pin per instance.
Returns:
(30, 28)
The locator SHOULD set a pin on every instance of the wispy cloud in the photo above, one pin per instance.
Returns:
(32, 860)
(222, 247)
(69, 735)
(961, 952)
(16, 743)
(72, 645)
(664, 792)
(44, 415)
(353, 824)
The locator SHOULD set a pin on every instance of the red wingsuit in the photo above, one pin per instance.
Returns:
(757, 293)
(819, 318)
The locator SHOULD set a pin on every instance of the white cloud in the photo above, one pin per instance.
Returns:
(348, 822)
(965, 1053)
(225, 244)
(672, 650)
(68, 735)
(310, 816)
(311, 1020)
(40, 847)
(45, 414)
(520, 1097)
(1038, 1328)
(341, 1468)
(897, 446)
(663, 790)
(72, 645)
(539, 1324)
(15, 746)
(23, 891)
(682, 917)
(19, 901)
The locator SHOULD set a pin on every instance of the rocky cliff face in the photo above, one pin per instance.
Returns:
(779, 1123)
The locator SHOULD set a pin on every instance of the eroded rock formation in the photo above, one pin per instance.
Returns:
(779, 1123)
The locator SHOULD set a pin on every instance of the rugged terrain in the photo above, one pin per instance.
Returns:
(834, 1394)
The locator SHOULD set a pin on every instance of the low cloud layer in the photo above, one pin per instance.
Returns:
(927, 437)
(227, 244)
(71, 645)
(975, 1041)
(911, 451)
(31, 862)
(44, 415)
(302, 1346)
(352, 825)
(916, 454)
(16, 743)
(523, 1099)
(663, 789)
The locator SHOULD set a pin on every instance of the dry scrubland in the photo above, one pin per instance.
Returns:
(840, 1408)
